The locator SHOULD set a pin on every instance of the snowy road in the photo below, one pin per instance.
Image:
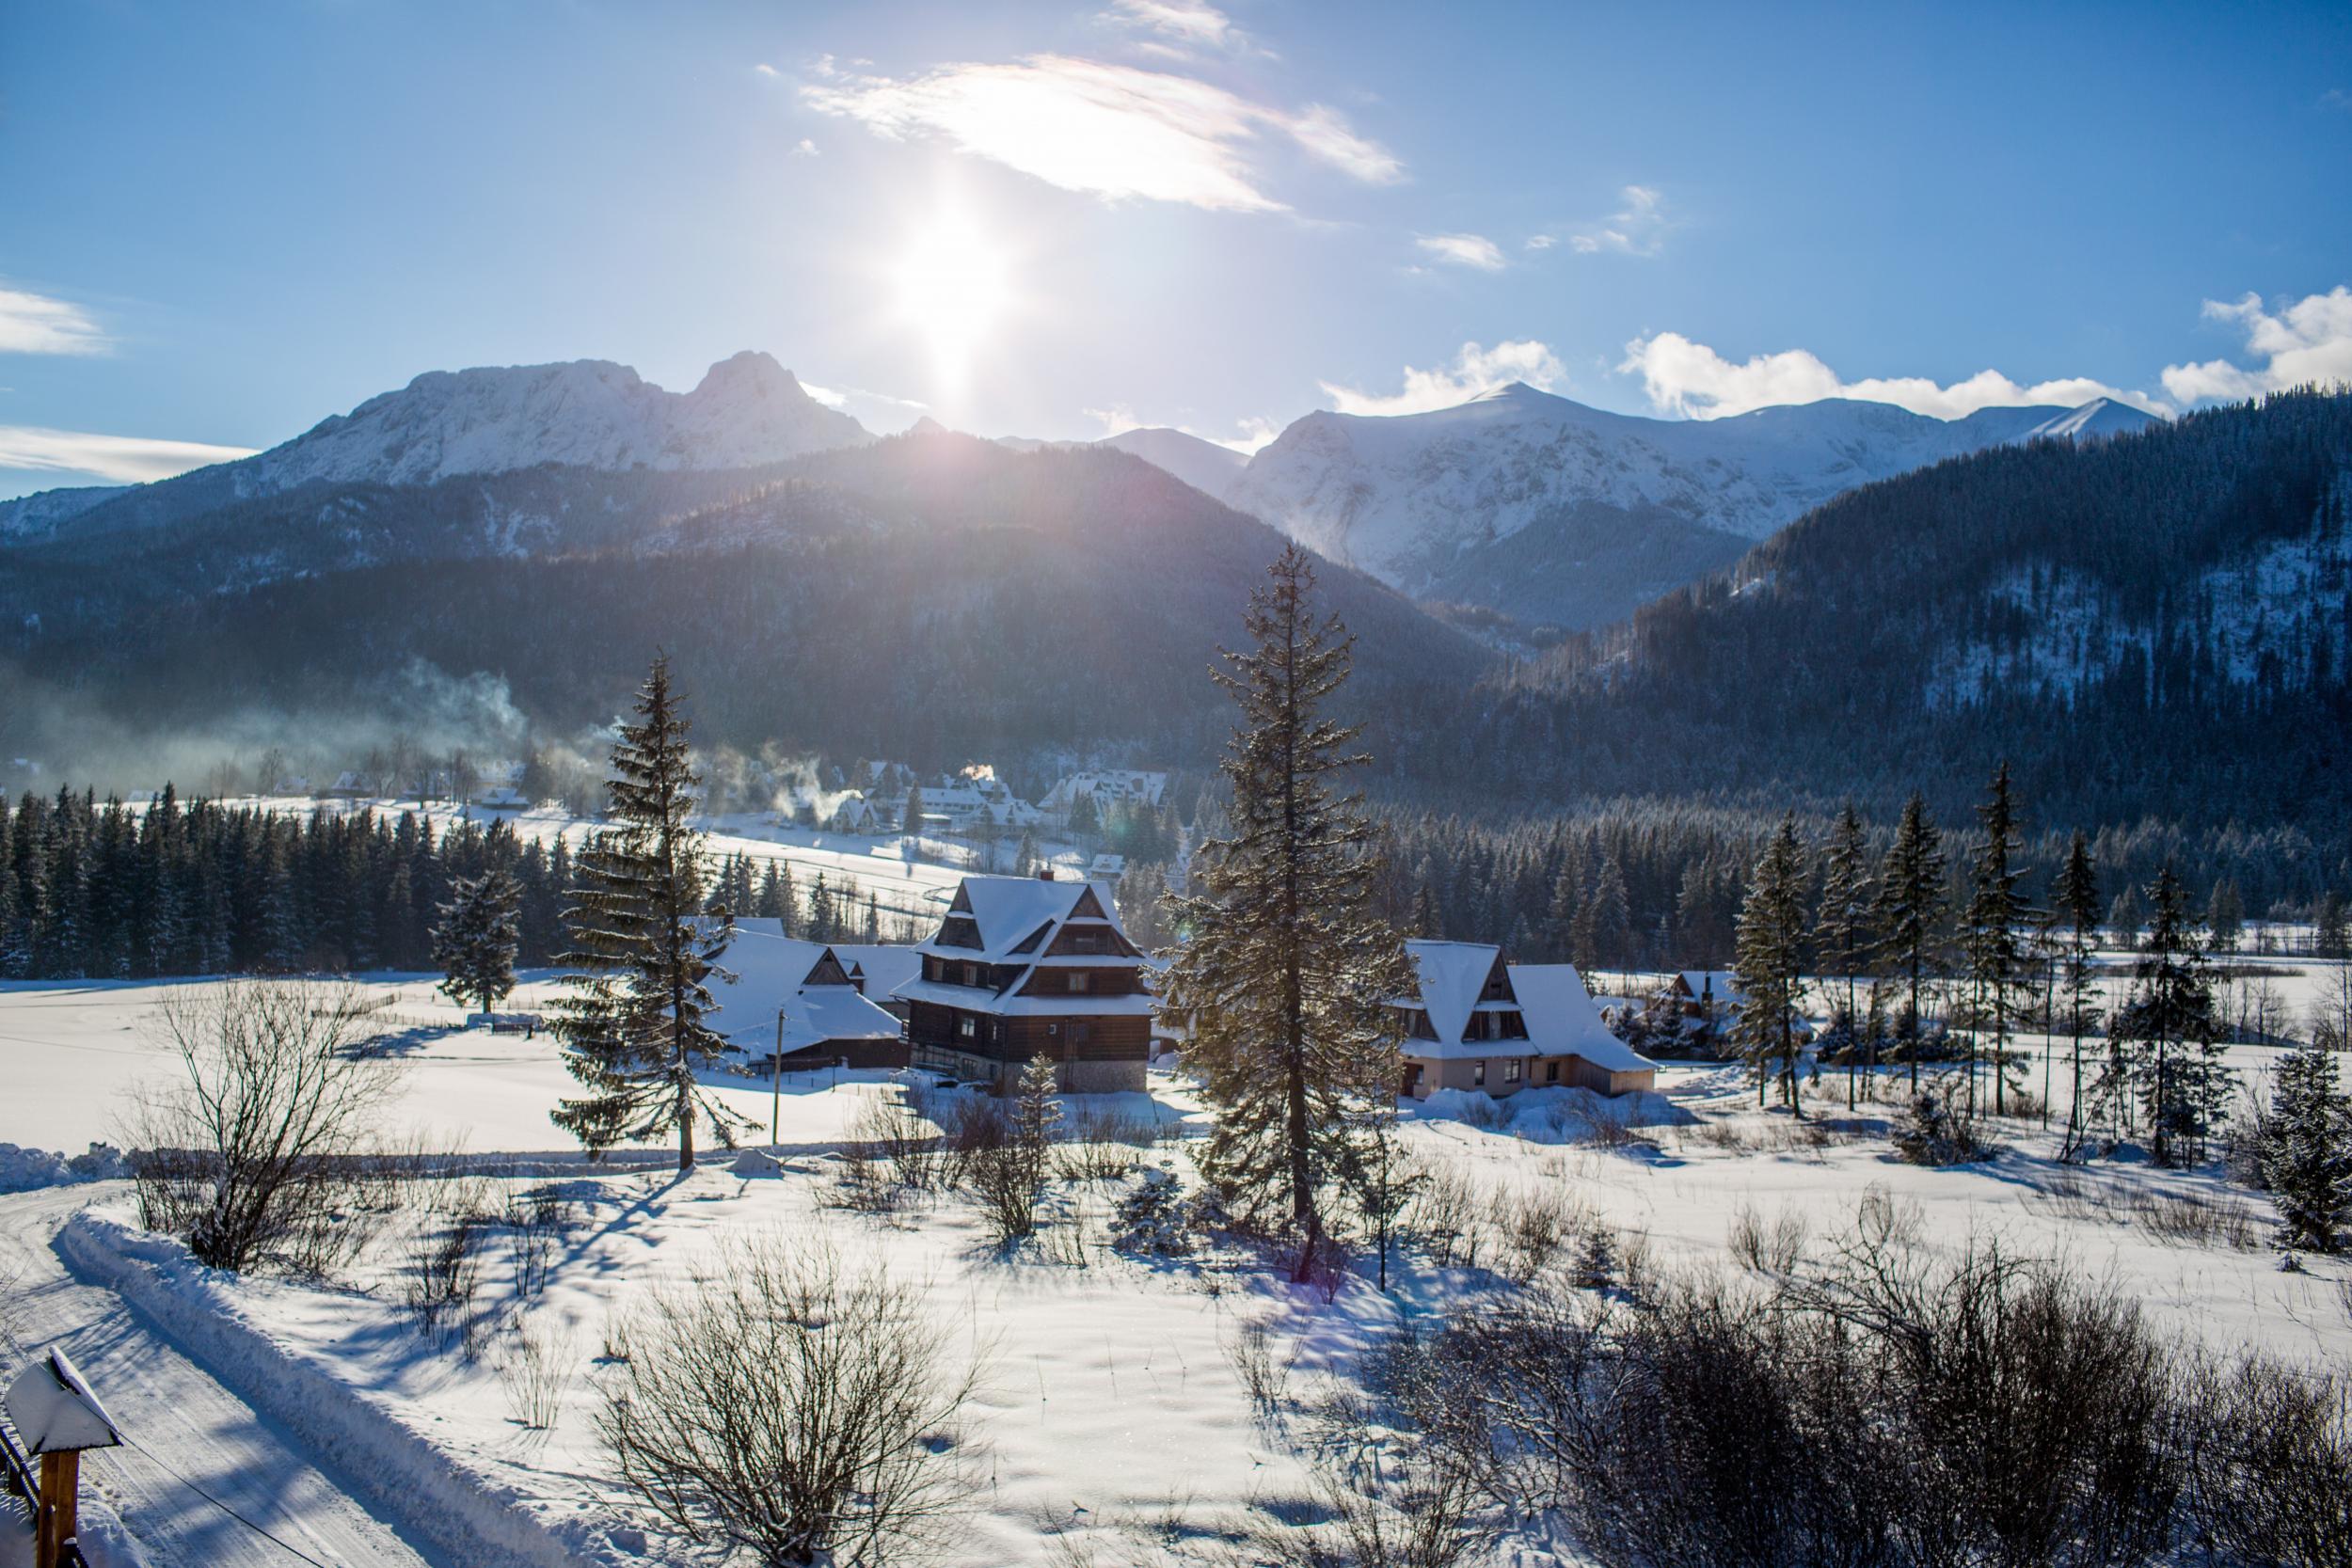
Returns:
(171, 1406)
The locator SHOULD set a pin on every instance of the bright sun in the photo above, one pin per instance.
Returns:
(951, 288)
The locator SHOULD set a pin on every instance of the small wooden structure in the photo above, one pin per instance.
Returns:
(56, 1417)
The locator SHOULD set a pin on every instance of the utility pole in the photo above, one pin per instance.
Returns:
(775, 1089)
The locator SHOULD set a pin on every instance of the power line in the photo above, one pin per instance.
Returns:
(240, 1518)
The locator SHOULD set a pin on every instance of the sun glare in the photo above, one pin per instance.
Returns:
(951, 288)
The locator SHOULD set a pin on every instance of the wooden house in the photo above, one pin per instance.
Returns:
(1024, 967)
(828, 1020)
(1478, 1023)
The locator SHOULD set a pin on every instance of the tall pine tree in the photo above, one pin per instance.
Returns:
(1770, 961)
(2170, 1031)
(2075, 896)
(643, 947)
(1841, 930)
(1993, 937)
(1908, 913)
(1287, 970)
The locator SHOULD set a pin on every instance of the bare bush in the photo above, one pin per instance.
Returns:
(791, 1408)
(535, 1371)
(1537, 1226)
(247, 1154)
(890, 1132)
(2271, 1471)
(1256, 1353)
(444, 1272)
(1771, 1248)
(1444, 1216)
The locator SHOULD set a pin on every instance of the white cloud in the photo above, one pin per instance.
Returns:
(1182, 21)
(2310, 341)
(1116, 421)
(1475, 371)
(34, 323)
(1542, 242)
(1257, 432)
(1692, 379)
(1463, 250)
(806, 149)
(2336, 98)
(1637, 229)
(126, 459)
(1111, 131)
(766, 70)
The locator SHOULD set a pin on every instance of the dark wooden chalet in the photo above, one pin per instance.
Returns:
(1024, 967)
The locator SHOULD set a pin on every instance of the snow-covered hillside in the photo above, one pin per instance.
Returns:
(1203, 465)
(747, 411)
(1553, 510)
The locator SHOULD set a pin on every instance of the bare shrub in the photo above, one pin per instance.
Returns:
(1775, 1248)
(443, 1272)
(2186, 1221)
(1892, 1409)
(245, 1155)
(1444, 1216)
(535, 1371)
(1930, 1135)
(1005, 1181)
(2271, 1472)
(1536, 1226)
(1255, 1351)
(787, 1406)
(889, 1131)
(536, 1223)
(1486, 1113)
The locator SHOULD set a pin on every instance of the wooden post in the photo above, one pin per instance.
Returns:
(60, 1521)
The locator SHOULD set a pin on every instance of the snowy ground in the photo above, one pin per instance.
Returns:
(1110, 1394)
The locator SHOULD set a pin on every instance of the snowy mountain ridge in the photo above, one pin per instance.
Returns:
(1550, 510)
(747, 411)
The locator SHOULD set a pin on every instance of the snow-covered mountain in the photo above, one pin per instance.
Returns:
(1551, 511)
(1203, 465)
(590, 413)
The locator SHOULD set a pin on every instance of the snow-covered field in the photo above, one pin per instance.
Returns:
(1112, 1395)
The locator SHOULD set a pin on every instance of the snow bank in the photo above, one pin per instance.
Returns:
(430, 1496)
(1554, 1115)
(22, 1169)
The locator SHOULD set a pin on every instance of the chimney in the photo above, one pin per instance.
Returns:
(1044, 873)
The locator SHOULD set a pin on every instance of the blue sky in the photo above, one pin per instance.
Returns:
(224, 223)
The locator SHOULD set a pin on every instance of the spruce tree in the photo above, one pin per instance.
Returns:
(2170, 1031)
(643, 948)
(1769, 961)
(2075, 896)
(1288, 970)
(2332, 931)
(2306, 1149)
(478, 937)
(1908, 911)
(1841, 928)
(1990, 938)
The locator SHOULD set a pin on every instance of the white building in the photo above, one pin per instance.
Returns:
(1110, 786)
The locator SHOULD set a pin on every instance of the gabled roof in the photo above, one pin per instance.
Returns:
(775, 971)
(885, 964)
(1564, 1021)
(1016, 918)
(1720, 983)
(1010, 911)
(1451, 976)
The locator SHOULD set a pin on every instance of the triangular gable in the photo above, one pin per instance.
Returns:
(1088, 907)
(1501, 972)
(1029, 943)
(961, 902)
(827, 970)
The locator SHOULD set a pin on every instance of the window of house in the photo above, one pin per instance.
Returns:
(1511, 1071)
(1080, 981)
(966, 1027)
(971, 974)
(1514, 1025)
(1478, 1074)
(1551, 1072)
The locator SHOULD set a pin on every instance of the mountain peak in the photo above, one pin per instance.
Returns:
(754, 373)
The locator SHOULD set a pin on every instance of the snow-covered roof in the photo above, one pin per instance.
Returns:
(1719, 983)
(1010, 909)
(884, 965)
(1124, 786)
(773, 971)
(53, 1410)
(1010, 1003)
(1564, 1021)
(1451, 976)
(1561, 1017)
